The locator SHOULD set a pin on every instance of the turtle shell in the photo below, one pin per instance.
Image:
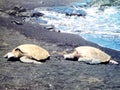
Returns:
(93, 53)
(33, 51)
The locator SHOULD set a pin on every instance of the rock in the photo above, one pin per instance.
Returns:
(17, 22)
(76, 13)
(11, 12)
(51, 28)
(37, 14)
(104, 6)
(18, 11)
(69, 11)
(19, 8)
(24, 14)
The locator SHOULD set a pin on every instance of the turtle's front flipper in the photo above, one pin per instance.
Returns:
(28, 60)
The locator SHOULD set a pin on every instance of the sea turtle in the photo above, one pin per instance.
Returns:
(28, 53)
(90, 55)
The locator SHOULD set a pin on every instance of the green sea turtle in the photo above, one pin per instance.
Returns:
(28, 53)
(90, 55)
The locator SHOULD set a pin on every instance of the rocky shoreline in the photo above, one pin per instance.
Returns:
(56, 73)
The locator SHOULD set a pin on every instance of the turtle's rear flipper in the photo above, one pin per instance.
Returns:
(113, 62)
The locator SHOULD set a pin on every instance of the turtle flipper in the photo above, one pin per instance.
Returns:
(113, 62)
(89, 60)
(29, 60)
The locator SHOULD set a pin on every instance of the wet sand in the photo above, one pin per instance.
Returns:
(56, 73)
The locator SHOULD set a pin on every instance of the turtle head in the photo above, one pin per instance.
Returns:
(9, 55)
(72, 56)
(16, 53)
(68, 56)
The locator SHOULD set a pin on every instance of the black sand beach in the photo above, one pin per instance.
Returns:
(56, 73)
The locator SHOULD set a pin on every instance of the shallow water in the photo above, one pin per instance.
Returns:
(101, 27)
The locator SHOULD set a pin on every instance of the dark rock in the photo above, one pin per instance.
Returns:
(104, 6)
(19, 8)
(11, 12)
(24, 14)
(22, 9)
(17, 22)
(77, 13)
(69, 11)
(18, 11)
(37, 14)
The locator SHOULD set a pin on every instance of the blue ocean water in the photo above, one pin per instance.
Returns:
(101, 27)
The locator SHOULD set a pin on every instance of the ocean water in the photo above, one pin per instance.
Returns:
(101, 27)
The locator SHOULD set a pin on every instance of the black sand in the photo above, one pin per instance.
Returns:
(56, 73)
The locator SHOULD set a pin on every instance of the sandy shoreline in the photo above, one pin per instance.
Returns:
(56, 73)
